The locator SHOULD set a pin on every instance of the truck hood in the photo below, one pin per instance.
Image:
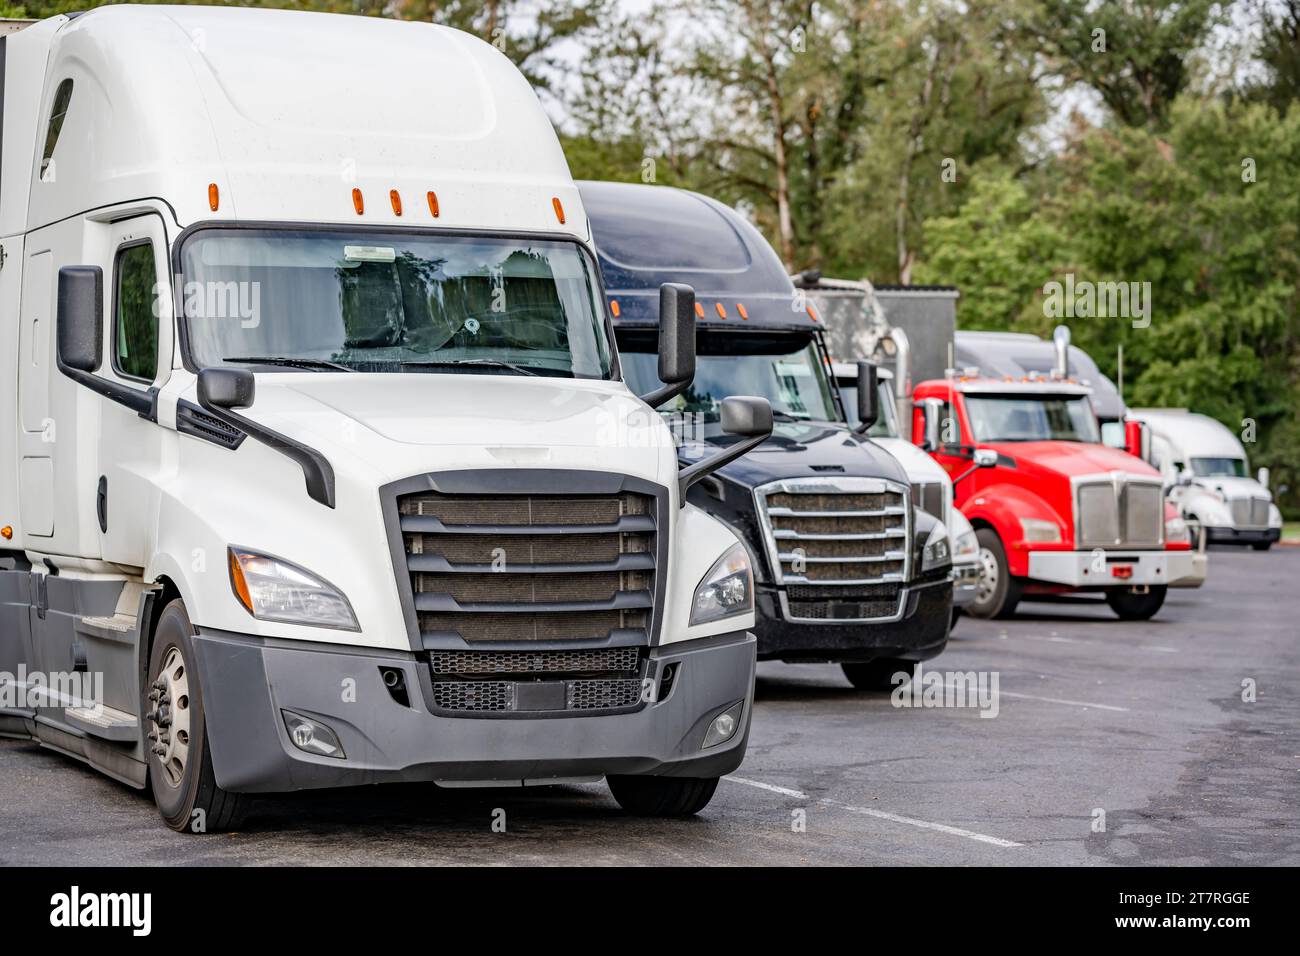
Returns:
(920, 467)
(803, 450)
(403, 424)
(1236, 487)
(1072, 458)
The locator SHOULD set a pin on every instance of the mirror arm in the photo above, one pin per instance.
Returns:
(316, 469)
(965, 474)
(664, 393)
(144, 403)
(702, 469)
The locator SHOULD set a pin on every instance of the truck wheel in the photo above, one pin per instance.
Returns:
(1136, 607)
(877, 674)
(997, 593)
(1261, 545)
(180, 762)
(663, 796)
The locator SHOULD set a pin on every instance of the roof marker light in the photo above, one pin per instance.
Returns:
(811, 314)
(699, 310)
(214, 196)
(741, 309)
(358, 203)
(396, 199)
(559, 209)
(722, 311)
(433, 204)
(613, 307)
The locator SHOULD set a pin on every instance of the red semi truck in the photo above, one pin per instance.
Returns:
(1055, 510)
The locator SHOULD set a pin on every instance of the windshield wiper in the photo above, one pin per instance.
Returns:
(480, 363)
(781, 416)
(316, 365)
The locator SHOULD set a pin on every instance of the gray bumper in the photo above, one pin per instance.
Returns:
(247, 682)
(965, 583)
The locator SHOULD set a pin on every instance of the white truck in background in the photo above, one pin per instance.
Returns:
(316, 462)
(1208, 477)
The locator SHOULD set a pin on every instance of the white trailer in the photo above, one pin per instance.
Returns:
(316, 465)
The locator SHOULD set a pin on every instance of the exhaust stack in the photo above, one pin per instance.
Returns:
(1061, 339)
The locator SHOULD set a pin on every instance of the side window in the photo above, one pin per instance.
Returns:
(58, 110)
(135, 319)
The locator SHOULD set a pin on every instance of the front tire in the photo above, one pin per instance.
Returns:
(877, 674)
(663, 796)
(998, 592)
(179, 758)
(1136, 607)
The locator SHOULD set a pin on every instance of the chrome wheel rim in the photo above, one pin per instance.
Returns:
(169, 720)
(988, 582)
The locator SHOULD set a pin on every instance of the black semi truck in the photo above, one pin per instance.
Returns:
(848, 570)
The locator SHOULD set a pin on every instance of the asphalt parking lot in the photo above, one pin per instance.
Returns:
(1144, 722)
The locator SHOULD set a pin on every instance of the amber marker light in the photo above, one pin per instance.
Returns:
(613, 307)
(358, 203)
(396, 199)
(433, 204)
(214, 196)
(7, 532)
(238, 583)
(722, 312)
(811, 314)
(699, 310)
(741, 309)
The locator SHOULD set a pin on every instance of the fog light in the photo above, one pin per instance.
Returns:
(311, 736)
(724, 726)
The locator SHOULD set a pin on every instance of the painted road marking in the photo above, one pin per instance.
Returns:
(878, 814)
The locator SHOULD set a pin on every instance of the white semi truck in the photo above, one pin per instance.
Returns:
(315, 457)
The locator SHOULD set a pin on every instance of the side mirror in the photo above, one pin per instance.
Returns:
(1137, 440)
(80, 322)
(676, 342)
(226, 387)
(750, 418)
(868, 395)
(1262, 476)
(747, 417)
(985, 458)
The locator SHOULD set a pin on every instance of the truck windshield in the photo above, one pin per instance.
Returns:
(1032, 418)
(348, 301)
(1218, 467)
(787, 370)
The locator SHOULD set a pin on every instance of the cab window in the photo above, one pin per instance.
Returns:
(135, 320)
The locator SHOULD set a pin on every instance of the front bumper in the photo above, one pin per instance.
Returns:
(965, 583)
(918, 634)
(247, 682)
(1223, 535)
(1083, 569)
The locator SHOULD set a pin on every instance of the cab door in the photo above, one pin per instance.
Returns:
(138, 346)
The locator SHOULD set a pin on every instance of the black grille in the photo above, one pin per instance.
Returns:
(595, 660)
(192, 420)
(843, 603)
(486, 682)
(506, 568)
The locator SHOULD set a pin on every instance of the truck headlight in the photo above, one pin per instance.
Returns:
(937, 551)
(1040, 531)
(965, 546)
(727, 590)
(271, 589)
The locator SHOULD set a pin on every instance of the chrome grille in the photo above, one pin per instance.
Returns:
(838, 531)
(1250, 512)
(930, 497)
(1119, 511)
(506, 568)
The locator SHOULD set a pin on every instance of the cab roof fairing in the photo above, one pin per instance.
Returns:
(287, 112)
(646, 235)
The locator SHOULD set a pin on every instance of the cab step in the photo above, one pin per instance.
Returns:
(107, 723)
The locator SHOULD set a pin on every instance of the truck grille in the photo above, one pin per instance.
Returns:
(843, 603)
(838, 531)
(520, 568)
(930, 497)
(1120, 511)
(504, 682)
(1250, 512)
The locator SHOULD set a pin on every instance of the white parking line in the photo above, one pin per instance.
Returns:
(878, 814)
(1068, 703)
